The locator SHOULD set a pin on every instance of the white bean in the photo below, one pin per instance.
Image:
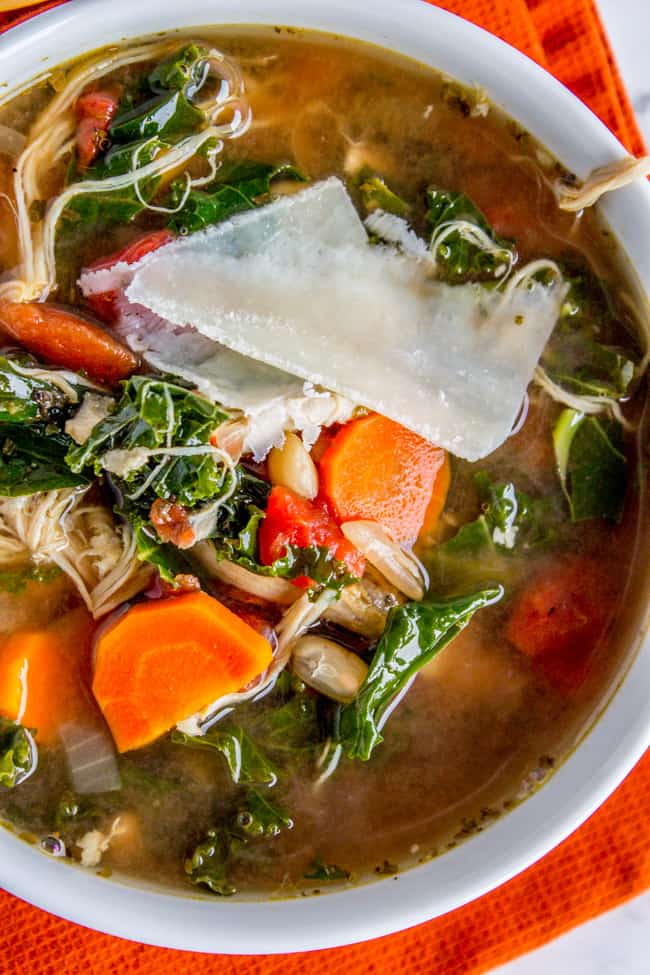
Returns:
(329, 668)
(291, 466)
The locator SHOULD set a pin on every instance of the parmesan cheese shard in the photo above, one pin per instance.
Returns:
(296, 285)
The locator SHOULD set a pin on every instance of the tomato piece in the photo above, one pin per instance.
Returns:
(171, 521)
(95, 111)
(558, 619)
(103, 303)
(292, 520)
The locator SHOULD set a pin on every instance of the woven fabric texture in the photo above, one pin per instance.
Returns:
(601, 865)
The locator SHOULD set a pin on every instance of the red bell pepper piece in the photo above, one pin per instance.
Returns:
(292, 520)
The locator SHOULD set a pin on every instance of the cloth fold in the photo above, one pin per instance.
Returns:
(601, 865)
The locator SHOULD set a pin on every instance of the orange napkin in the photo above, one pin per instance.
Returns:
(601, 865)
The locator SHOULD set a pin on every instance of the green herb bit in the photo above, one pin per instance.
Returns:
(326, 872)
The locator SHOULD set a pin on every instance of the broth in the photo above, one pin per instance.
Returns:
(483, 724)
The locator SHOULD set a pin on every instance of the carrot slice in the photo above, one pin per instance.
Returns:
(559, 617)
(41, 675)
(376, 469)
(65, 339)
(162, 661)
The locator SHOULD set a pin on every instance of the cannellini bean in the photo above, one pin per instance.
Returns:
(291, 466)
(328, 668)
(397, 565)
(363, 607)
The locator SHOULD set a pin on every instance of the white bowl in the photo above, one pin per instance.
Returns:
(580, 141)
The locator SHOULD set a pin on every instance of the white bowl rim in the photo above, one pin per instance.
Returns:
(622, 734)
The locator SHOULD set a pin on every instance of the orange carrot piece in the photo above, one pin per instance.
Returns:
(164, 660)
(438, 498)
(376, 469)
(65, 339)
(41, 675)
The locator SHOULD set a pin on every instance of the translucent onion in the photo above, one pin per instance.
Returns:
(91, 758)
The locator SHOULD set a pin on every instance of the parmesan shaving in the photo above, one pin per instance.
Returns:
(295, 285)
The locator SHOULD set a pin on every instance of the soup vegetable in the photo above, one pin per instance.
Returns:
(319, 485)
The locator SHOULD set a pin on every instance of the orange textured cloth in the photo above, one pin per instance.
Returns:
(604, 863)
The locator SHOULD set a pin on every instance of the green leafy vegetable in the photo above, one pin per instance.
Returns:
(33, 459)
(510, 521)
(591, 465)
(162, 116)
(184, 69)
(208, 863)
(246, 763)
(107, 207)
(25, 395)
(18, 754)
(260, 818)
(414, 634)
(579, 356)
(375, 195)
(240, 187)
(167, 558)
(460, 254)
(154, 414)
(255, 821)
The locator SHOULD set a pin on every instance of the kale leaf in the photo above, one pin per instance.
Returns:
(246, 763)
(207, 865)
(256, 820)
(32, 458)
(414, 634)
(103, 208)
(153, 415)
(459, 257)
(258, 817)
(591, 465)
(182, 70)
(18, 755)
(510, 521)
(240, 187)
(26, 396)
(162, 116)
(578, 356)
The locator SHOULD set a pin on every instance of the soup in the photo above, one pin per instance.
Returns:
(320, 419)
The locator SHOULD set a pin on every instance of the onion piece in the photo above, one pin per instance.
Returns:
(400, 567)
(273, 589)
(91, 758)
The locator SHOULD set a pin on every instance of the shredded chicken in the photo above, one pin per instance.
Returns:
(83, 540)
(602, 180)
